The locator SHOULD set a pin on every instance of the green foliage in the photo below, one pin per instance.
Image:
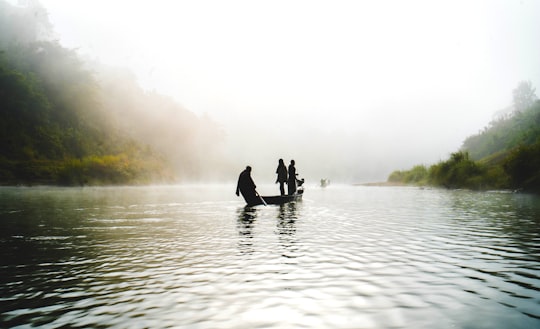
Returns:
(506, 133)
(417, 175)
(504, 155)
(58, 125)
(523, 166)
(106, 170)
(458, 171)
(27, 172)
(110, 169)
(25, 112)
(91, 170)
(396, 176)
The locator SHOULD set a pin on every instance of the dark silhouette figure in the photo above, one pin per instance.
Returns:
(281, 172)
(292, 178)
(246, 186)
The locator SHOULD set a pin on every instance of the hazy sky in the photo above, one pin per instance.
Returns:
(406, 81)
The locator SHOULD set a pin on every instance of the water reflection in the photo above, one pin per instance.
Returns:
(287, 215)
(286, 229)
(246, 221)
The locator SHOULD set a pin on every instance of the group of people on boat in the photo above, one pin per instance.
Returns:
(285, 175)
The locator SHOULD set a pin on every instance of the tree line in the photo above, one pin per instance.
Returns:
(504, 155)
(67, 121)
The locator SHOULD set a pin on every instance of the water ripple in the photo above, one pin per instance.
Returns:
(343, 258)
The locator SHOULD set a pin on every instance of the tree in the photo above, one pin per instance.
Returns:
(524, 96)
(523, 167)
(26, 22)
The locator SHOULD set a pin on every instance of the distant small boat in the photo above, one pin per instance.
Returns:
(279, 199)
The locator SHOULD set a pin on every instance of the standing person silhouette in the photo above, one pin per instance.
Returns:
(281, 172)
(292, 178)
(247, 187)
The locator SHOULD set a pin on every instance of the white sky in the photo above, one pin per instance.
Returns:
(410, 76)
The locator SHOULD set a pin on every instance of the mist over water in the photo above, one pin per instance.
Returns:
(195, 91)
(195, 257)
(352, 91)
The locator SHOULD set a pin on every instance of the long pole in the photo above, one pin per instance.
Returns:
(260, 197)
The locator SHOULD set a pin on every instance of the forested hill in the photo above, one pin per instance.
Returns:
(518, 126)
(67, 121)
(504, 155)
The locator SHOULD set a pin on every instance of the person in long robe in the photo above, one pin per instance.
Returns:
(281, 172)
(291, 182)
(247, 187)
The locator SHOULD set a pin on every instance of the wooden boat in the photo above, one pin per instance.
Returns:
(279, 199)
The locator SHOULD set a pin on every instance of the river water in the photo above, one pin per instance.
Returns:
(195, 257)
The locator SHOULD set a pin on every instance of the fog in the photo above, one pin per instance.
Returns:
(351, 90)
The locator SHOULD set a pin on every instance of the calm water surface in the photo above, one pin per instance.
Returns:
(194, 257)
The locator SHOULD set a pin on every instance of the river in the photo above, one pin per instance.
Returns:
(195, 257)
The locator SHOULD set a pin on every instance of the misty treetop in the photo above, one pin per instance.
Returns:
(524, 96)
(520, 126)
(64, 120)
(506, 154)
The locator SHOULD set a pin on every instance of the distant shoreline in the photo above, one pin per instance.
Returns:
(381, 184)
